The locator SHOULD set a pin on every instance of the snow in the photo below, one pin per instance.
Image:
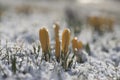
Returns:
(19, 33)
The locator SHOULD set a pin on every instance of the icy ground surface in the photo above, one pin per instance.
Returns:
(18, 35)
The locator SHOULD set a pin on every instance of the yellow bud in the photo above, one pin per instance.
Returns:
(80, 45)
(57, 49)
(74, 43)
(65, 40)
(56, 30)
(44, 39)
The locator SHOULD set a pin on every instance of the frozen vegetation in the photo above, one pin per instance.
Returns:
(21, 53)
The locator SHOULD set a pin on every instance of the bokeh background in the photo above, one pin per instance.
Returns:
(21, 19)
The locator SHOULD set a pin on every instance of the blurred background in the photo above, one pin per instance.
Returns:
(58, 7)
(21, 19)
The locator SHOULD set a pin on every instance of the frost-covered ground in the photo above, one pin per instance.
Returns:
(19, 37)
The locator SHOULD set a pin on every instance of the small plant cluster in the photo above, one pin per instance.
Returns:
(9, 56)
(62, 51)
(100, 23)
